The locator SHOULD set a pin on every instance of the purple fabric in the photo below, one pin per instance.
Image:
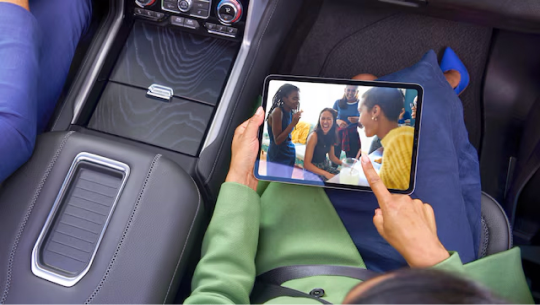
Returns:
(36, 49)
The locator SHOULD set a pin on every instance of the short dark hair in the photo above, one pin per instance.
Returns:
(426, 286)
(389, 99)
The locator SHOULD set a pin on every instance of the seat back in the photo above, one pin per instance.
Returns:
(522, 200)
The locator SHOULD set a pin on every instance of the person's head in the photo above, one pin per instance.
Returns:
(379, 109)
(327, 123)
(288, 96)
(420, 286)
(350, 95)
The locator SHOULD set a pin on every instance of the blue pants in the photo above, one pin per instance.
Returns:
(36, 49)
(448, 177)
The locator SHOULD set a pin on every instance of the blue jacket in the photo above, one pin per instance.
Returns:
(20, 41)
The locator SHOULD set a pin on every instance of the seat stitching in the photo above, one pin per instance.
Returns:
(185, 243)
(124, 234)
(29, 210)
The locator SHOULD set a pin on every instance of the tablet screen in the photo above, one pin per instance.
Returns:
(315, 131)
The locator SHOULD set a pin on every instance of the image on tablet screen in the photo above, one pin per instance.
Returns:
(315, 133)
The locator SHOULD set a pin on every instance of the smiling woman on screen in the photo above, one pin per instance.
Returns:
(320, 143)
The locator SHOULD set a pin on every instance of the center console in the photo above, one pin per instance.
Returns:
(169, 75)
(176, 77)
(111, 204)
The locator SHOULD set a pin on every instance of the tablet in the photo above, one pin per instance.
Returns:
(316, 129)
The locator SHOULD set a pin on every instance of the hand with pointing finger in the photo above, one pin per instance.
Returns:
(406, 224)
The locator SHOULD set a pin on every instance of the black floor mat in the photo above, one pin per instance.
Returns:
(349, 39)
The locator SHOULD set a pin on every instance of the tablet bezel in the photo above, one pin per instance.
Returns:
(399, 85)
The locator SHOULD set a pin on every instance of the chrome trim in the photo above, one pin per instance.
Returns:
(139, 4)
(255, 10)
(92, 75)
(167, 10)
(47, 274)
(188, 8)
(161, 92)
(222, 3)
(222, 34)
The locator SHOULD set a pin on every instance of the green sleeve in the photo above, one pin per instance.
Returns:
(452, 264)
(226, 271)
(501, 272)
(261, 187)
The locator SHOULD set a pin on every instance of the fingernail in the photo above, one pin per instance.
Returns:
(364, 159)
(259, 111)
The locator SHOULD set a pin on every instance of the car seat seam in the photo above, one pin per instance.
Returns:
(508, 225)
(185, 243)
(347, 38)
(125, 232)
(27, 215)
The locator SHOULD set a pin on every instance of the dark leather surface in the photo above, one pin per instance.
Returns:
(516, 14)
(125, 111)
(275, 24)
(522, 199)
(186, 162)
(510, 89)
(497, 235)
(146, 244)
(194, 66)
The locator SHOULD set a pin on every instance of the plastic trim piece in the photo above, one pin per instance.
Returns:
(37, 268)
(91, 77)
(163, 8)
(221, 33)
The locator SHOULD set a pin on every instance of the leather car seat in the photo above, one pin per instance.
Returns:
(143, 249)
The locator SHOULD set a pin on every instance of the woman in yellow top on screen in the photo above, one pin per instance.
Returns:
(321, 142)
(379, 113)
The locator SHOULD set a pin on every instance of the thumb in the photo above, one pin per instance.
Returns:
(253, 124)
(378, 221)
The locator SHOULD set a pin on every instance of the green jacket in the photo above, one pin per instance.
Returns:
(285, 225)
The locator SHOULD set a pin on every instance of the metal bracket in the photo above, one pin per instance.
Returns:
(161, 92)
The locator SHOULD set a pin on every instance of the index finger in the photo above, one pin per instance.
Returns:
(375, 182)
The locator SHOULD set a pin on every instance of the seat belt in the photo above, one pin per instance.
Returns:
(268, 285)
(263, 292)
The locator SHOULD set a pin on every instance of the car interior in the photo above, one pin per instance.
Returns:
(113, 205)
